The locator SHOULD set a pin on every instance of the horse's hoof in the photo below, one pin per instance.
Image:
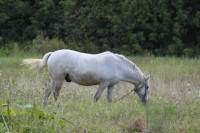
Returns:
(59, 104)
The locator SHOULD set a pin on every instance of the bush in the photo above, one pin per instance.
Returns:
(105, 47)
(5, 52)
(188, 52)
(171, 49)
(75, 46)
(136, 49)
(11, 48)
(91, 48)
(88, 25)
(11, 121)
(126, 49)
(43, 44)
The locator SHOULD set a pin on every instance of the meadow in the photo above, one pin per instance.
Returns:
(173, 105)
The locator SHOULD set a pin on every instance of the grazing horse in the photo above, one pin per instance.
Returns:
(104, 69)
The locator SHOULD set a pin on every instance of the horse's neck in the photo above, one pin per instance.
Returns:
(133, 76)
(131, 72)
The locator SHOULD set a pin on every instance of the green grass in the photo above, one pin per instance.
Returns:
(173, 106)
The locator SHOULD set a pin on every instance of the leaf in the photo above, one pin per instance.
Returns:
(68, 121)
(40, 114)
(24, 112)
(0, 103)
(37, 113)
(8, 112)
(62, 123)
(2, 128)
(52, 116)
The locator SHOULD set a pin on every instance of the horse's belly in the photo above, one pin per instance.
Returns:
(86, 79)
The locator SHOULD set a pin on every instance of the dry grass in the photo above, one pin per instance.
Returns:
(174, 99)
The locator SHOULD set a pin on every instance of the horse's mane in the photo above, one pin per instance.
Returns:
(133, 66)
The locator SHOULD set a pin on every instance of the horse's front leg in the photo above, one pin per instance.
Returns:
(100, 90)
(110, 92)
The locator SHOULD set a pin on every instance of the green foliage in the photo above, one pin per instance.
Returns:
(105, 47)
(173, 104)
(126, 49)
(4, 52)
(136, 48)
(188, 52)
(172, 49)
(11, 48)
(43, 44)
(166, 113)
(153, 25)
(12, 121)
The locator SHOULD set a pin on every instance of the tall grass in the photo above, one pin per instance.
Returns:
(173, 106)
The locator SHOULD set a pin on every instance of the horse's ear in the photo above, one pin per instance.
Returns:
(147, 78)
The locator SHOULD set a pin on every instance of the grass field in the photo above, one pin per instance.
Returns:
(173, 106)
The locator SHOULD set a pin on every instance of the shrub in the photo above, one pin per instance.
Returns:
(86, 46)
(91, 48)
(5, 52)
(75, 46)
(126, 49)
(188, 52)
(105, 47)
(136, 48)
(171, 49)
(43, 44)
(11, 48)
(11, 120)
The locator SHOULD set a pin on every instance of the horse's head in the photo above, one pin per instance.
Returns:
(142, 90)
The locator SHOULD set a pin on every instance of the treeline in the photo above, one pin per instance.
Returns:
(159, 27)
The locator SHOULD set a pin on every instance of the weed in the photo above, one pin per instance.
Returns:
(173, 106)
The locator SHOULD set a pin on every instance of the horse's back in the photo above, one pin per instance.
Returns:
(70, 57)
(83, 68)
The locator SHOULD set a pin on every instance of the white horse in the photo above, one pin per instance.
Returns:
(104, 69)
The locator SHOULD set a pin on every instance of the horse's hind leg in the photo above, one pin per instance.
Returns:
(57, 88)
(110, 92)
(48, 91)
(100, 90)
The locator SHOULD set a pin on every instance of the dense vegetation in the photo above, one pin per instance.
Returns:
(160, 27)
(173, 105)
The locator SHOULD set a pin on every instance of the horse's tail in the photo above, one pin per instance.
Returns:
(38, 64)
